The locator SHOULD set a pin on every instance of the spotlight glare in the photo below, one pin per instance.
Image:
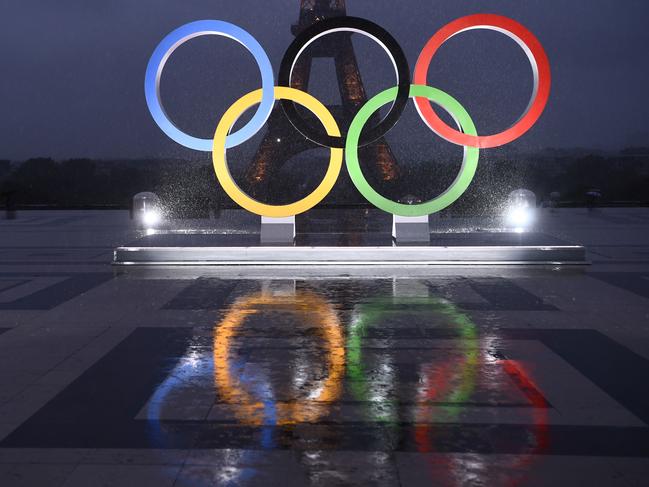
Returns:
(151, 218)
(520, 217)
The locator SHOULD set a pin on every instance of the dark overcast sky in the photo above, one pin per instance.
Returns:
(72, 74)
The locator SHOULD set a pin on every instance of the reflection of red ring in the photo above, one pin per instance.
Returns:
(424, 433)
(536, 55)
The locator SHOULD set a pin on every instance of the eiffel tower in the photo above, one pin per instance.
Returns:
(282, 141)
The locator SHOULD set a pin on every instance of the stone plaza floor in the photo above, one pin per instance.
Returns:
(444, 376)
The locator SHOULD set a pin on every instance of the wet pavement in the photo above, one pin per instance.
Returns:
(485, 376)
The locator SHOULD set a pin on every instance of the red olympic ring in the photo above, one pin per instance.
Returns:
(536, 55)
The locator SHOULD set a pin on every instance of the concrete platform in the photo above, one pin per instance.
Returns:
(559, 255)
(372, 249)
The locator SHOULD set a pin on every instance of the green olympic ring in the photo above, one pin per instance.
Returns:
(448, 197)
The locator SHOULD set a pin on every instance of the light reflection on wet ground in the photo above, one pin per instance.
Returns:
(454, 376)
(322, 366)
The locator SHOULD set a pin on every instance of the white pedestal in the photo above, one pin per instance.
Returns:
(407, 229)
(277, 230)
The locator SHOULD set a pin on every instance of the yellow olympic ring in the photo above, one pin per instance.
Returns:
(219, 157)
(250, 410)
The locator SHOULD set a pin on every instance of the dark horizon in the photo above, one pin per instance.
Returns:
(494, 154)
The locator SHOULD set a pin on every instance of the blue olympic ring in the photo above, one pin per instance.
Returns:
(179, 36)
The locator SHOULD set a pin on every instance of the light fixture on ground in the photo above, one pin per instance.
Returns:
(520, 211)
(147, 211)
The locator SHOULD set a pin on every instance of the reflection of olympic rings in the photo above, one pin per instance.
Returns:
(436, 382)
(307, 409)
(370, 314)
(226, 180)
(540, 67)
(465, 136)
(359, 26)
(178, 37)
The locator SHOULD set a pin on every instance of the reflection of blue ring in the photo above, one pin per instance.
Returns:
(162, 53)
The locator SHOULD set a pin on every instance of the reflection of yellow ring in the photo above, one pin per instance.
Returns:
(221, 165)
(250, 410)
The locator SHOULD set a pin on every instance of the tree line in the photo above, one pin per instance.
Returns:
(622, 179)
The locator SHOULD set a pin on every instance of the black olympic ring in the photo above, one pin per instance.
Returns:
(361, 26)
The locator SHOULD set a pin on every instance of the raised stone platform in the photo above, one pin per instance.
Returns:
(372, 249)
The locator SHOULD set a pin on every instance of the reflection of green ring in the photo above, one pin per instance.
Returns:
(359, 383)
(448, 197)
(370, 315)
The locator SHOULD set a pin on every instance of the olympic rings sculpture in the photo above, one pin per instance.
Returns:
(464, 135)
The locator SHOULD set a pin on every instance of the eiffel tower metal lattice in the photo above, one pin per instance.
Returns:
(282, 141)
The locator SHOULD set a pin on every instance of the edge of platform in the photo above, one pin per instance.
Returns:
(357, 256)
